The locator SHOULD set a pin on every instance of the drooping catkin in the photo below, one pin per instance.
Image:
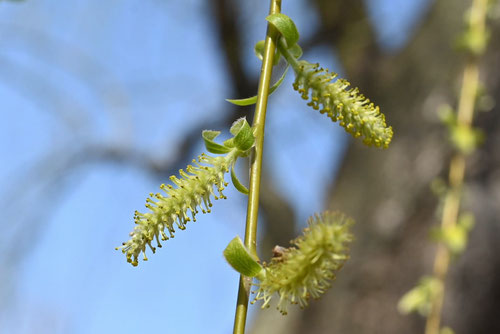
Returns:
(179, 204)
(307, 269)
(353, 111)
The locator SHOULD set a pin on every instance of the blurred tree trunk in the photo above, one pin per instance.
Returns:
(388, 192)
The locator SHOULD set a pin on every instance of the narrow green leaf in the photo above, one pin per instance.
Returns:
(252, 100)
(420, 297)
(286, 27)
(241, 260)
(237, 184)
(244, 102)
(213, 147)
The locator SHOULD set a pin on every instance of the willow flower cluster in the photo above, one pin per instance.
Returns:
(306, 270)
(340, 103)
(192, 191)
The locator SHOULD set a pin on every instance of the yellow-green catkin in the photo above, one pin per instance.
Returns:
(178, 204)
(348, 106)
(306, 270)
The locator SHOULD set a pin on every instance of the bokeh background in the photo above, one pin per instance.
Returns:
(102, 100)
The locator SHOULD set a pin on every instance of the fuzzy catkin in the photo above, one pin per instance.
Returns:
(355, 113)
(307, 269)
(192, 191)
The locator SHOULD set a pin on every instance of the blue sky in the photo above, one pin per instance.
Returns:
(135, 75)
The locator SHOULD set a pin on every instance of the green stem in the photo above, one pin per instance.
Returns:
(256, 167)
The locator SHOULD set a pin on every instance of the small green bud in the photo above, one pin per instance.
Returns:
(465, 138)
(455, 237)
(420, 298)
(474, 40)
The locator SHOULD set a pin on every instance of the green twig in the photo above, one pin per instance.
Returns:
(256, 167)
(470, 83)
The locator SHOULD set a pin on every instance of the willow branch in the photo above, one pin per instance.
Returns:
(457, 169)
(256, 168)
